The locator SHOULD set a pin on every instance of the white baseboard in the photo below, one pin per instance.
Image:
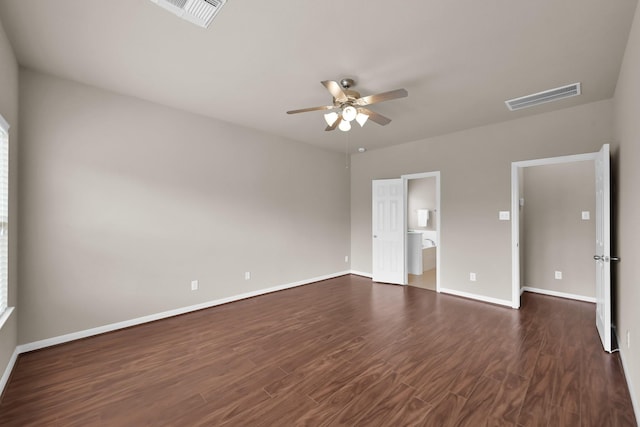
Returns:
(453, 292)
(7, 372)
(361, 273)
(558, 294)
(625, 369)
(36, 345)
(482, 298)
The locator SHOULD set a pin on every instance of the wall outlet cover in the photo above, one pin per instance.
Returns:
(586, 215)
(558, 275)
(194, 285)
(247, 275)
(504, 215)
(472, 277)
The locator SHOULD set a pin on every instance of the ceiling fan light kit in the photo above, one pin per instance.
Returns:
(351, 105)
(362, 119)
(349, 113)
(331, 118)
(344, 126)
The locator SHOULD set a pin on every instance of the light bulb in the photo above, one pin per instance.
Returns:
(349, 113)
(361, 119)
(331, 118)
(344, 126)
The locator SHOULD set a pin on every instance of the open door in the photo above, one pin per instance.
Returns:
(603, 248)
(388, 231)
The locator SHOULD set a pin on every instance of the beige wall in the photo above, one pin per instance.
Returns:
(9, 110)
(626, 153)
(556, 238)
(124, 202)
(475, 170)
(421, 195)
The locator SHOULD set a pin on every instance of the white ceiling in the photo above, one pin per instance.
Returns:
(459, 60)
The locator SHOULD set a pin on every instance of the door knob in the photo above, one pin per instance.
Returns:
(605, 258)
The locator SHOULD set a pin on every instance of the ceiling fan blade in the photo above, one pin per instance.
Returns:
(385, 96)
(378, 118)
(304, 110)
(334, 125)
(336, 90)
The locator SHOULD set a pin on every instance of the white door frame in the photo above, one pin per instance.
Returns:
(515, 212)
(405, 179)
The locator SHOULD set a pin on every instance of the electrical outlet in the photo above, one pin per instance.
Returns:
(504, 215)
(346, 258)
(194, 285)
(558, 275)
(628, 339)
(472, 277)
(247, 275)
(586, 215)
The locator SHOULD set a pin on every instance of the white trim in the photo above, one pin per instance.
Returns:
(634, 399)
(557, 160)
(406, 178)
(5, 316)
(516, 292)
(558, 294)
(7, 372)
(36, 345)
(361, 273)
(4, 124)
(515, 212)
(476, 297)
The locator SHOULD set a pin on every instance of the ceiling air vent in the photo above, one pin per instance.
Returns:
(199, 12)
(543, 97)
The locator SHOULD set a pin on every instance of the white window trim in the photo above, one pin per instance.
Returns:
(3, 124)
(4, 315)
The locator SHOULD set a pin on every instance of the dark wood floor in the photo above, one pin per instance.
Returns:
(340, 352)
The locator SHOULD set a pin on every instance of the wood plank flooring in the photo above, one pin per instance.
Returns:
(344, 351)
(426, 280)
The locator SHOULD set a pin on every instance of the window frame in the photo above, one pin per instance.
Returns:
(5, 310)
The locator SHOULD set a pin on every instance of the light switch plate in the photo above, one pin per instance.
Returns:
(586, 215)
(504, 215)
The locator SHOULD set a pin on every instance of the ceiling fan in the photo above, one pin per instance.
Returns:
(351, 105)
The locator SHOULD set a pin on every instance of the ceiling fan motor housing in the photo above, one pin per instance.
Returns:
(347, 83)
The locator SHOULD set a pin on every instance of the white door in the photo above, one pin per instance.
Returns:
(603, 249)
(388, 231)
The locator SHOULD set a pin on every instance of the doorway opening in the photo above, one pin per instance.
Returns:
(543, 210)
(390, 233)
(422, 218)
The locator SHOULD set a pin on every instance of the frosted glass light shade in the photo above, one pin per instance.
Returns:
(331, 118)
(361, 119)
(344, 126)
(349, 113)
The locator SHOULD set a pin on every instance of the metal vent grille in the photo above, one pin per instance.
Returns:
(178, 3)
(543, 97)
(203, 10)
(199, 12)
